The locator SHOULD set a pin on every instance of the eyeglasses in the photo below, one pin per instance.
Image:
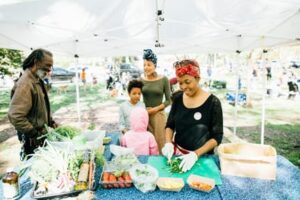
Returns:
(185, 62)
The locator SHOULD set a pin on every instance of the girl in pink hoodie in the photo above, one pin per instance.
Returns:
(138, 138)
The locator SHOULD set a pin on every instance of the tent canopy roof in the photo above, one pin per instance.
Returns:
(125, 27)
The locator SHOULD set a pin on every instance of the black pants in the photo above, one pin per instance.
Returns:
(29, 146)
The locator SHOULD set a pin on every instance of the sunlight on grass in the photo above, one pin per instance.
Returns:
(89, 98)
(283, 137)
(58, 99)
(3, 115)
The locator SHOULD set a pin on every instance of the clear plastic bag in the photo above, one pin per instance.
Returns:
(144, 177)
(118, 151)
(124, 158)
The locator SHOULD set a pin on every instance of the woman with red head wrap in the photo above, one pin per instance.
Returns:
(195, 116)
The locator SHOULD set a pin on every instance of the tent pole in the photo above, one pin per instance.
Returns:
(77, 90)
(238, 51)
(262, 133)
(263, 115)
(236, 94)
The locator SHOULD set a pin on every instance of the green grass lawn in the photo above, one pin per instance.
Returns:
(284, 138)
(4, 103)
(89, 97)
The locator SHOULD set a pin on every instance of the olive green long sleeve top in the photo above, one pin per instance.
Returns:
(154, 91)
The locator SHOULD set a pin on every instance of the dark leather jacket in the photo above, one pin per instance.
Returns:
(29, 108)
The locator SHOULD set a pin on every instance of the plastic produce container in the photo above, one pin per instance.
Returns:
(201, 183)
(144, 177)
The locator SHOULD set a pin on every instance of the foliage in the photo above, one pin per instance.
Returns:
(9, 59)
(92, 126)
(4, 103)
(62, 133)
(75, 163)
(100, 160)
(219, 84)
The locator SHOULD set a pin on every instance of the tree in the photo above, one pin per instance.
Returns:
(9, 60)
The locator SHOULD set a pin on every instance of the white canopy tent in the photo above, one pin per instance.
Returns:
(89, 28)
(125, 27)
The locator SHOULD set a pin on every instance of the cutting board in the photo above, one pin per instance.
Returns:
(205, 166)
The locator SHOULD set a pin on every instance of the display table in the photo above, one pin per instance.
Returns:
(286, 186)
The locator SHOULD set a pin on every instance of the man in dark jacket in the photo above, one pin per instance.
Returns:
(29, 109)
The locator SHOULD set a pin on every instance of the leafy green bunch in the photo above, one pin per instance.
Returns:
(174, 165)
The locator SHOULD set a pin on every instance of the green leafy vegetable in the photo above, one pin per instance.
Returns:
(80, 139)
(100, 160)
(174, 165)
(67, 131)
(142, 172)
(74, 164)
(61, 133)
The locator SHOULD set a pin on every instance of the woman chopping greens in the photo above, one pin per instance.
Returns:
(195, 123)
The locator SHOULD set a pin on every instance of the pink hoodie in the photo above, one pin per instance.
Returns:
(138, 138)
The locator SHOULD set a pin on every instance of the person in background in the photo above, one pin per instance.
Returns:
(156, 88)
(109, 82)
(292, 85)
(83, 77)
(29, 109)
(118, 86)
(173, 82)
(209, 75)
(134, 90)
(269, 70)
(95, 82)
(138, 138)
(196, 117)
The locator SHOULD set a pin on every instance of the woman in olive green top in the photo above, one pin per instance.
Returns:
(156, 88)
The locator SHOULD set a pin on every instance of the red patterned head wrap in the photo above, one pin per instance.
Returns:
(187, 68)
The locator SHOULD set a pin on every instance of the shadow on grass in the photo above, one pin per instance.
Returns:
(285, 138)
(90, 96)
